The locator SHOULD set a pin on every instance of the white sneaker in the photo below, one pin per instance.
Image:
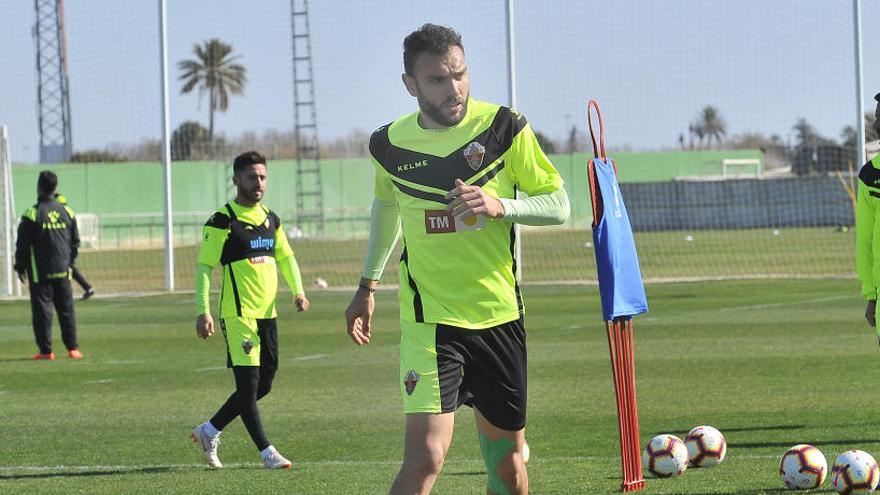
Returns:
(274, 460)
(209, 445)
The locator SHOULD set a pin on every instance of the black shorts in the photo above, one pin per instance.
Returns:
(251, 342)
(444, 367)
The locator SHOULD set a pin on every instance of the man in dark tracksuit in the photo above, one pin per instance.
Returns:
(46, 247)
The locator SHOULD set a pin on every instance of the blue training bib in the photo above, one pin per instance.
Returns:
(620, 279)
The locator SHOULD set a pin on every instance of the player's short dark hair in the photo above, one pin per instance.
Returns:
(429, 38)
(47, 182)
(877, 97)
(247, 159)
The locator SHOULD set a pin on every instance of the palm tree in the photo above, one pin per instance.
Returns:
(698, 130)
(213, 71)
(711, 123)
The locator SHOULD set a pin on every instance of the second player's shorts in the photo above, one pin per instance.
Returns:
(443, 367)
(251, 342)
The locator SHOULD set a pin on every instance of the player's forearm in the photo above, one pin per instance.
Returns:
(290, 271)
(542, 209)
(203, 288)
(384, 232)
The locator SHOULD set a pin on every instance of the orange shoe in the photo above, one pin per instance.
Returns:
(38, 356)
(73, 354)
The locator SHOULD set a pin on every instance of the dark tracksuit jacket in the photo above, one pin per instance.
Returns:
(47, 244)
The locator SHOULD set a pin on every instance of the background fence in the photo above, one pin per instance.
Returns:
(683, 87)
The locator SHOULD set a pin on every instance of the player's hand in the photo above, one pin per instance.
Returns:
(22, 276)
(301, 302)
(358, 315)
(870, 312)
(472, 200)
(204, 326)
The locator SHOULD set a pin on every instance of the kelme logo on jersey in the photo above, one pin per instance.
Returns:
(412, 166)
(247, 345)
(262, 243)
(474, 155)
(53, 222)
(410, 380)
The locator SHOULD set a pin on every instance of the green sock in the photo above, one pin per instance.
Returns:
(493, 452)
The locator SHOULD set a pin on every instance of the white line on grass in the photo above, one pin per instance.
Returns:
(325, 463)
(212, 368)
(106, 380)
(309, 358)
(792, 303)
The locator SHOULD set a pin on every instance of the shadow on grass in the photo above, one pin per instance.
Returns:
(844, 441)
(466, 473)
(12, 360)
(84, 474)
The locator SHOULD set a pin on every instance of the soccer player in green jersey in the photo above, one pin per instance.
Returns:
(248, 240)
(446, 179)
(868, 229)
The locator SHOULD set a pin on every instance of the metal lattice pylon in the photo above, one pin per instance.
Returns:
(309, 194)
(52, 92)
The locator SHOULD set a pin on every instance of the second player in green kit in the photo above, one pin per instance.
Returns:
(247, 240)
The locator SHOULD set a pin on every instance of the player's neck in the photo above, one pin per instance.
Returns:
(245, 202)
(429, 124)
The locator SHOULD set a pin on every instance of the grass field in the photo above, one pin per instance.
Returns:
(769, 363)
(549, 255)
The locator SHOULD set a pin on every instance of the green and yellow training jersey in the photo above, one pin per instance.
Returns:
(459, 272)
(247, 242)
(868, 228)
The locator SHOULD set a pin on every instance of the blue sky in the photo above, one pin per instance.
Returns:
(652, 65)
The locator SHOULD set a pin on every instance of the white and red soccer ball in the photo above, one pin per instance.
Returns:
(803, 467)
(855, 473)
(665, 456)
(706, 446)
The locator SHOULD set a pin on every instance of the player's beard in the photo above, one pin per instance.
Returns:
(436, 113)
(252, 195)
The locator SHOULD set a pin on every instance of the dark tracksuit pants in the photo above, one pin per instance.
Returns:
(44, 296)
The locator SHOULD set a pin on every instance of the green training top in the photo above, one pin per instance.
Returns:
(246, 241)
(868, 228)
(459, 272)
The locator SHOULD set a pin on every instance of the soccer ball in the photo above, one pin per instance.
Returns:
(803, 467)
(665, 456)
(706, 446)
(854, 473)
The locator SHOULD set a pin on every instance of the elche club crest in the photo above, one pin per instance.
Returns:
(474, 153)
(410, 380)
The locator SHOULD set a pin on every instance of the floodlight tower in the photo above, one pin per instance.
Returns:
(52, 93)
(309, 194)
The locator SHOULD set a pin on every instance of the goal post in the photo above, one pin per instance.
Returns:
(742, 167)
(89, 227)
(7, 233)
